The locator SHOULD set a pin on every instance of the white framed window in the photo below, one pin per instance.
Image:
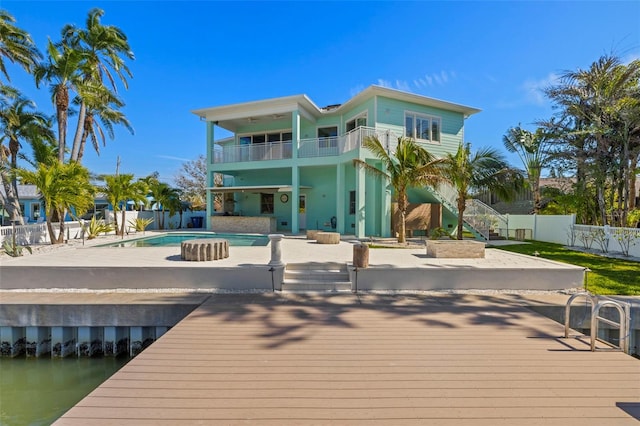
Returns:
(422, 127)
(360, 120)
(262, 137)
(328, 137)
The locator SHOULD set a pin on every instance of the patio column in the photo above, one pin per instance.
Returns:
(209, 179)
(385, 218)
(295, 133)
(360, 202)
(295, 199)
(340, 198)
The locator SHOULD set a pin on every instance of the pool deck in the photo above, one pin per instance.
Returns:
(372, 359)
(247, 267)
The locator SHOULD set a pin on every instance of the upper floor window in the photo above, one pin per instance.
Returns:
(422, 127)
(265, 137)
(356, 122)
(328, 136)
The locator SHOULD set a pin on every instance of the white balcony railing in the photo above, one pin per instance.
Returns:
(308, 148)
(254, 152)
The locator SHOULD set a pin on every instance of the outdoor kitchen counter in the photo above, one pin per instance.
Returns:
(244, 224)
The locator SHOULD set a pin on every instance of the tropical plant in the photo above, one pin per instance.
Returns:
(410, 165)
(598, 129)
(11, 247)
(101, 115)
(437, 233)
(61, 72)
(533, 149)
(18, 122)
(104, 49)
(119, 189)
(16, 45)
(165, 198)
(97, 227)
(484, 169)
(140, 224)
(62, 187)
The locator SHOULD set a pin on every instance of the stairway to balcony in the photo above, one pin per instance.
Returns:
(478, 218)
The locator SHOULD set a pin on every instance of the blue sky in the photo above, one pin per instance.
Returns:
(495, 56)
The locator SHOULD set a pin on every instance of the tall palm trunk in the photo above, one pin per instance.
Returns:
(88, 123)
(62, 106)
(77, 139)
(402, 208)
(633, 166)
(60, 238)
(10, 199)
(462, 204)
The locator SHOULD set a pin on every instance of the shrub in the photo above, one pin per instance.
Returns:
(140, 224)
(97, 227)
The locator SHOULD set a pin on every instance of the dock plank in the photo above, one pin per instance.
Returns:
(401, 360)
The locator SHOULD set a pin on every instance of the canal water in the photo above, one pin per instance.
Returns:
(36, 391)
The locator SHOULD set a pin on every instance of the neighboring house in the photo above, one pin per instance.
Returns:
(288, 165)
(32, 206)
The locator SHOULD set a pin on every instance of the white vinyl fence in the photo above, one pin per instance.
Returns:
(561, 229)
(37, 233)
(170, 222)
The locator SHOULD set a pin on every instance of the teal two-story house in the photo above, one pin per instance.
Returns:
(288, 165)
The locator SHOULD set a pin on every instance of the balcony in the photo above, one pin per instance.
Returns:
(307, 148)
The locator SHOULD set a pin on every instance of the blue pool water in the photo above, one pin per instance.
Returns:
(174, 240)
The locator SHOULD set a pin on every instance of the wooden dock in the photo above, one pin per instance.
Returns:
(273, 359)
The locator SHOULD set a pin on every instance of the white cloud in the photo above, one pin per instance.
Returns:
(169, 157)
(534, 89)
(355, 90)
(402, 85)
(416, 84)
(384, 83)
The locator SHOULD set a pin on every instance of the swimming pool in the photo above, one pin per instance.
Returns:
(174, 240)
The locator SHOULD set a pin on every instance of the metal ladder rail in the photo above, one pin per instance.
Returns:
(596, 319)
(567, 310)
(622, 325)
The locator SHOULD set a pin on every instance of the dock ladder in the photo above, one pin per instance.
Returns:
(624, 311)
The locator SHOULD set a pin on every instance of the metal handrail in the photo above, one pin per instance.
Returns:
(622, 325)
(567, 309)
(596, 319)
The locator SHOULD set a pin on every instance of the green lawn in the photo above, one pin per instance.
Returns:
(607, 276)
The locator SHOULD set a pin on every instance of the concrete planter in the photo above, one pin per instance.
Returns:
(458, 249)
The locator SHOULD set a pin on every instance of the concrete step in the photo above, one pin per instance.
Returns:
(321, 287)
(316, 277)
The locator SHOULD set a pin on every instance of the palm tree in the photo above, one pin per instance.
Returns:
(105, 48)
(601, 102)
(533, 150)
(121, 188)
(101, 115)
(410, 165)
(18, 122)
(62, 72)
(63, 187)
(16, 45)
(166, 198)
(484, 169)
